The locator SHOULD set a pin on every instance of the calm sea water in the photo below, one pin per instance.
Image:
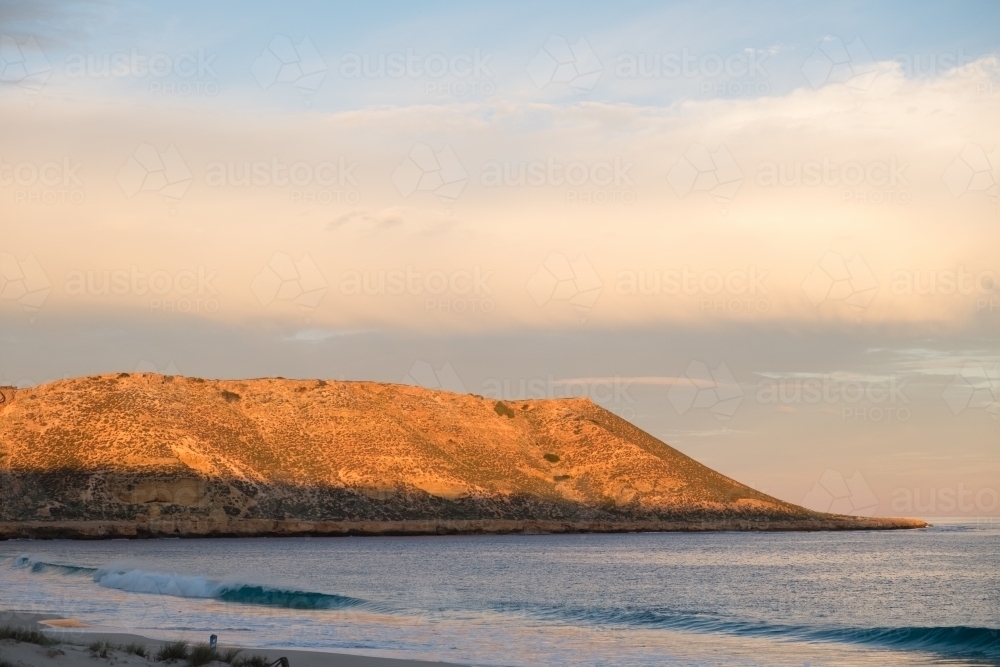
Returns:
(870, 598)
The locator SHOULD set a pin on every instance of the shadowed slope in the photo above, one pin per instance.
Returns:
(147, 454)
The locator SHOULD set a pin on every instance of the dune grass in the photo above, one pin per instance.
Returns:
(251, 661)
(172, 651)
(230, 655)
(103, 649)
(100, 649)
(195, 656)
(29, 636)
(136, 649)
(201, 654)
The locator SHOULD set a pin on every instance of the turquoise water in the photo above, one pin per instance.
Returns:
(861, 598)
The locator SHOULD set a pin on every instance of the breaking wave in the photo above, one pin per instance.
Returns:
(128, 578)
(132, 580)
(43, 566)
(956, 641)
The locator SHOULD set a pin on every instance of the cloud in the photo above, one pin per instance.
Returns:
(319, 335)
(507, 230)
(398, 221)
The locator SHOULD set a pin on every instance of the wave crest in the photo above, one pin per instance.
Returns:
(124, 577)
(28, 561)
(956, 640)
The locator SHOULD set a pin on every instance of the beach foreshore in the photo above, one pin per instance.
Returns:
(75, 637)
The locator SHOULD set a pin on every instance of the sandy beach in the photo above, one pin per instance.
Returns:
(74, 637)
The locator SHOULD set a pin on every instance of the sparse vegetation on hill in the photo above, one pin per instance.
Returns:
(146, 454)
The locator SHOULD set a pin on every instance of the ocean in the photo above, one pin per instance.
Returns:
(917, 597)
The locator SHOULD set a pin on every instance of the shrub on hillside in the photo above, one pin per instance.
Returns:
(501, 409)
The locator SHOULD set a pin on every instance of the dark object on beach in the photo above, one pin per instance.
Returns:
(213, 640)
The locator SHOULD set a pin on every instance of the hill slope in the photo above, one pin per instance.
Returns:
(145, 454)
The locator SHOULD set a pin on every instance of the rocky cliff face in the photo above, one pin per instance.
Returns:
(146, 454)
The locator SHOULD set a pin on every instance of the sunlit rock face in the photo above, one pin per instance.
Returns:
(147, 454)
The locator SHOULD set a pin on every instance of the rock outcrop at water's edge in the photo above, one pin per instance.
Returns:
(146, 455)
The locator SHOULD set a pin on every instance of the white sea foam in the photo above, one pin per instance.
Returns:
(126, 578)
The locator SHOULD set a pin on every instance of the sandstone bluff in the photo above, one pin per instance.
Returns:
(144, 455)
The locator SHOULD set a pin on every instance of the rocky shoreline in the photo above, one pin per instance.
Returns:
(91, 530)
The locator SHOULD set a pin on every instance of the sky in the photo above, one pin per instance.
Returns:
(767, 235)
